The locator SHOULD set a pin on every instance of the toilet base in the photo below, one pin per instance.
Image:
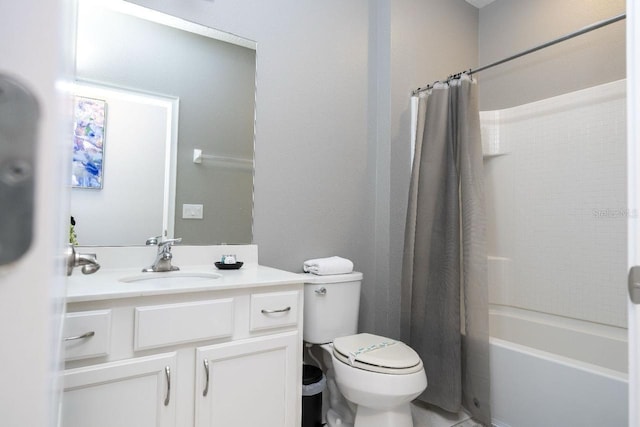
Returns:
(399, 416)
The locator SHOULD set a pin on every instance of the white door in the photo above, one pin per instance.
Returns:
(32, 56)
(248, 383)
(633, 166)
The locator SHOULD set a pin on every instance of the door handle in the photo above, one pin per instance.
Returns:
(634, 284)
(19, 116)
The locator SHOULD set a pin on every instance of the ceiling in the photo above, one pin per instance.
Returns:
(479, 3)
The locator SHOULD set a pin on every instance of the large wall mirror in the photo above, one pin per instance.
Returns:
(179, 102)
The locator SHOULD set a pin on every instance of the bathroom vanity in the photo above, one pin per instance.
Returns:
(196, 347)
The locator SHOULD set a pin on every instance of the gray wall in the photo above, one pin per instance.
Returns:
(215, 82)
(332, 131)
(509, 26)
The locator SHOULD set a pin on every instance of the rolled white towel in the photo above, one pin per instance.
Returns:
(327, 266)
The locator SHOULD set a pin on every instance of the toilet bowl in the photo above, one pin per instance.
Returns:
(381, 385)
(379, 376)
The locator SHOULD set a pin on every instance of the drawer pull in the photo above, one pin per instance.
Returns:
(167, 373)
(206, 373)
(81, 337)
(282, 310)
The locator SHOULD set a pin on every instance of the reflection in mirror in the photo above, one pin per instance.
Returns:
(142, 131)
(171, 88)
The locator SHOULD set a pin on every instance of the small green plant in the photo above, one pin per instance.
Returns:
(73, 238)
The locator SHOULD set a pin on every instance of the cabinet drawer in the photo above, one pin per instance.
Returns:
(161, 325)
(87, 334)
(274, 309)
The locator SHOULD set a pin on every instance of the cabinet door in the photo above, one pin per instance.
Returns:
(133, 392)
(252, 382)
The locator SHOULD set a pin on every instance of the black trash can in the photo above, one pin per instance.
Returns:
(313, 383)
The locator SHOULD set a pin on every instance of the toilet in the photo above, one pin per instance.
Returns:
(379, 376)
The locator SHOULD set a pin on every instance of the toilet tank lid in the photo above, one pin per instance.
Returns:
(313, 279)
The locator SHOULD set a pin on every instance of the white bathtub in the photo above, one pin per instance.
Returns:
(549, 371)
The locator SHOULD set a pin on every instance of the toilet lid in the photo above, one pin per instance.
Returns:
(378, 354)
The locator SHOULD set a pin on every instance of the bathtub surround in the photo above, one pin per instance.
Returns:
(445, 265)
(556, 186)
(555, 174)
(563, 154)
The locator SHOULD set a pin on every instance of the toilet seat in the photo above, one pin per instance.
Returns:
(377, 354)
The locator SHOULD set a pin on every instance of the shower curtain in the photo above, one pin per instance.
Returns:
(444, 272)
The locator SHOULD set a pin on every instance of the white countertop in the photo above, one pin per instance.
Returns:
(107, 282)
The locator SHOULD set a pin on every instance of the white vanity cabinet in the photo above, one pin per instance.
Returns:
(228, 357)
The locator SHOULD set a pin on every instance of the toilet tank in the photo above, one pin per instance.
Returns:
(331, 306)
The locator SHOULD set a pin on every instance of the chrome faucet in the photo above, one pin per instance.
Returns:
(164, 256)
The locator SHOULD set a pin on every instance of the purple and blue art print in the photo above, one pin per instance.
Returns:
(88, 142)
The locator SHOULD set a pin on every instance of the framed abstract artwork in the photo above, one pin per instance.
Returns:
(88, 142)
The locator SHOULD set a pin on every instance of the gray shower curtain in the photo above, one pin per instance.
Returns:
(444, 272)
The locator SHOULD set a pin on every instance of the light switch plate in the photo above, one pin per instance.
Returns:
(192, 211)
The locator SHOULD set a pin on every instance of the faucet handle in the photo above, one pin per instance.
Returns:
(153, 240)
(169, 242)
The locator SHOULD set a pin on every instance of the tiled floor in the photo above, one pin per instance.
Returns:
(468, 423)
(429, 416)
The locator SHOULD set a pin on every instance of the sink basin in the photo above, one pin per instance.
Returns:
(171, 278)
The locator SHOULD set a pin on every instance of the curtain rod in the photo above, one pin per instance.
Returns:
(581, 31)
